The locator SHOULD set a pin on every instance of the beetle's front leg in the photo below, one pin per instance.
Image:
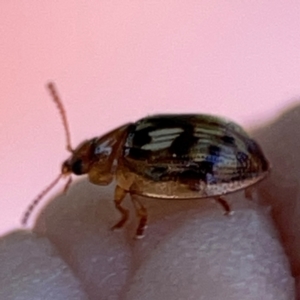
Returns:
(119, 197)
(141, 213)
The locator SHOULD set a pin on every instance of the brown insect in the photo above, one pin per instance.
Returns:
(165, 156)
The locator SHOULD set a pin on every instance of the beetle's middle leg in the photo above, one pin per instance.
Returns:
(119, 197)
(224, 204)
(141, 212)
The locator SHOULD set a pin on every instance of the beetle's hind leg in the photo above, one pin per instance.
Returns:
(119, 197)
(224, 204)
(141, 213)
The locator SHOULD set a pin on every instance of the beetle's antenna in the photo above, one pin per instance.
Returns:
(62, 112)
(67, 184)
(37, 200)
(65, 172)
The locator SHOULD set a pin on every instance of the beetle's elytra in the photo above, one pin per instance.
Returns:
(167, 156)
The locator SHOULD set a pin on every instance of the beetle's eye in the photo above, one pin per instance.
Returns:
(77, 167)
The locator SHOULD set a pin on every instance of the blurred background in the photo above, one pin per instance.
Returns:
(117, 61)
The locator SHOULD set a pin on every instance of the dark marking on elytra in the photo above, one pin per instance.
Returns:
(242, 158)
(255, 151)
(141, 137)
(196, 172)
(205, 167)
(193, 175)
(168, 121)
(138, 153)
(183, 143)
(214, 150)
(251, 146)
(228, 140)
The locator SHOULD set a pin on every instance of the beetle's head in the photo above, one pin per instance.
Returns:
(81, 159)
(95, 157)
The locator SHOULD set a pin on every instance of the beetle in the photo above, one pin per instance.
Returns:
(187, 156)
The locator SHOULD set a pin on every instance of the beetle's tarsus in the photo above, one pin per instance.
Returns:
(121, 223)
(224, 204)
(139, 237)
(141, 228)
(141, 212)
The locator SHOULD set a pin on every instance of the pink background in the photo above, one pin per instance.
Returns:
(115, 62)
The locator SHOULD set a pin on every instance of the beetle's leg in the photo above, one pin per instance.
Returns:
(119, 197)
(224, 204)
(141, 213)
(249, 193)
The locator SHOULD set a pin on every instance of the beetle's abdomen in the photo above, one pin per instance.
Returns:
(192, 149)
